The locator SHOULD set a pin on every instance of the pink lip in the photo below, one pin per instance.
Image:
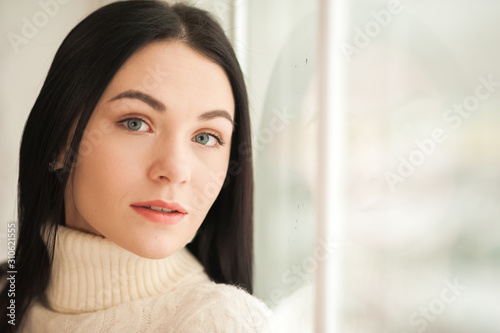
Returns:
(160, 217)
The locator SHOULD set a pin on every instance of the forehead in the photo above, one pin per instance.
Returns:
(175, 74)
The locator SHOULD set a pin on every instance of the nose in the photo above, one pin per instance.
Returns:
(170, 162)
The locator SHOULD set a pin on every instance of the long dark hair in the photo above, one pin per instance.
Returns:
(82, 68)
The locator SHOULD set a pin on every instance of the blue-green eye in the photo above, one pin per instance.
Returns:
(135, 124)
(207, 139)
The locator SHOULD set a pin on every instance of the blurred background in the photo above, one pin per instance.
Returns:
(421, 242)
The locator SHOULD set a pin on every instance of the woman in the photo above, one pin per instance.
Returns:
(136, 146)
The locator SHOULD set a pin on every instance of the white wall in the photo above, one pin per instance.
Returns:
(23, 66)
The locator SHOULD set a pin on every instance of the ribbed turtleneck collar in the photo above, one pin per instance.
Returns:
(91, 273)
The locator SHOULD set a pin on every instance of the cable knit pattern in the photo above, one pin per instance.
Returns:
(96, 286)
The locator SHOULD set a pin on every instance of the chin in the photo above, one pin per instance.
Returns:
(154, 256)
(159, 252)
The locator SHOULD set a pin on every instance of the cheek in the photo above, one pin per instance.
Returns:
(101, 178)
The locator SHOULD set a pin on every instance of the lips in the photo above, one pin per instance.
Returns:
(160, 204)
(159, 211)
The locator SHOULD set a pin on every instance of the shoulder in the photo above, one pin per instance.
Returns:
(225, 308)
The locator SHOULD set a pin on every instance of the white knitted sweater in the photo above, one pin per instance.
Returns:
(96, 286)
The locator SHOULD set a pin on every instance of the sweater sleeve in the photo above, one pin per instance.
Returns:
(226, 308)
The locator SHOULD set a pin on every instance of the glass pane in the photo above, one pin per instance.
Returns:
(282, 60)
(422, 246)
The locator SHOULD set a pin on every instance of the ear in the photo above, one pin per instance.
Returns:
(64, 150)
(60, 160)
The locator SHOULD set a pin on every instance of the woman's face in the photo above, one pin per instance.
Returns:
(159, 138)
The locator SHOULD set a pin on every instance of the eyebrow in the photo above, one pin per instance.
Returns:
(152, 102)
(160, 107)
(216, 114)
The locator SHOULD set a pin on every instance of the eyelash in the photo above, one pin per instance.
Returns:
(214, 135)
(122, 122)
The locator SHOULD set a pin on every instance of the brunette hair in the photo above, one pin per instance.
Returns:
(82, 68)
